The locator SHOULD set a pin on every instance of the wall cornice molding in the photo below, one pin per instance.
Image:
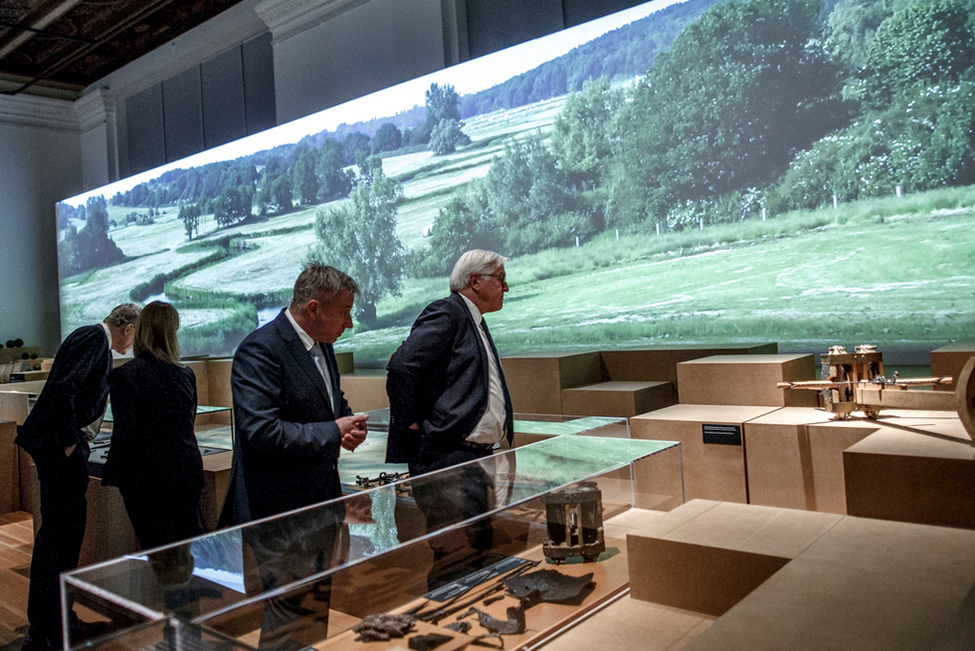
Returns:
(285, 18)
(34, 111)
(95, 109)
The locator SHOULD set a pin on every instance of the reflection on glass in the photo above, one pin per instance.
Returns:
(276, 579)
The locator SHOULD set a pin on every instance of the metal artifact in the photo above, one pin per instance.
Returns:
(547, 585)
(427, 642)
(855, 382)
(514, 625)
(575, 523)
(383, 479)
(383, 627)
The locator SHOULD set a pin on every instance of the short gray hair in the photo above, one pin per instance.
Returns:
(475, 261)
(122, 315)
(320, 282)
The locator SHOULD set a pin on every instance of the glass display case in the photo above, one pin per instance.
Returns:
(434, 561)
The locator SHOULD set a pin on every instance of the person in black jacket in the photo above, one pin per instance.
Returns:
(448, 402)
(73, 399)
(449, 405)
(154, 458)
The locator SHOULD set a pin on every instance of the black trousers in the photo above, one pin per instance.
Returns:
(57, 546)
(466, 493)
(163, 516)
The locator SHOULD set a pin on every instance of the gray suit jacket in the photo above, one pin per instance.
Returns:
(287, 444)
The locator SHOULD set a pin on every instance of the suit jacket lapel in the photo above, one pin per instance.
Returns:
(302, 357)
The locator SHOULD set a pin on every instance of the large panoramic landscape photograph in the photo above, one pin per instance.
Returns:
(680, 173)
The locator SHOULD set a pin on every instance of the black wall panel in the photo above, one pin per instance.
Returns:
(144, 129)
(182, 114)
(493, 25)
(223, 99)
(581, 11)
(257, 55)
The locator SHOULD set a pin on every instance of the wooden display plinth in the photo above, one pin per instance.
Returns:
(618, 398)
(922, 470)
(746, 380)
(660, 364)
(9, 468)
(365, 389)
(850, 583)
(705, 556)
(711, 446)
(780, 459)
(219, 392)
(949, 360)
(535, 383)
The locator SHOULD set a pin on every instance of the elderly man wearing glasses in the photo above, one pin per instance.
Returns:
(448, 402)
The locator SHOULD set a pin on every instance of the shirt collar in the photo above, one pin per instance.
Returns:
(108, 333)
(306, 339)
(476, 313)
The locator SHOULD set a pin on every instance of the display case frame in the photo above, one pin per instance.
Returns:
(306, 578)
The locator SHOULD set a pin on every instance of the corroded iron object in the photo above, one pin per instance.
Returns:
(383, 627)
(427, 642)
(547, 585)
(575, 523)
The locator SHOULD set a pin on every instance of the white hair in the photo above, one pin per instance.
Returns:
(475, 261)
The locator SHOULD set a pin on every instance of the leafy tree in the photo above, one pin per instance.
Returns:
(447, 136)
(387, 138)
(305, 180)
(442, 104)
(189, 214)
(581, 135)
(335, 180)
(91, 247)
(461, 225)
(360, 238)
(724, 108)
(925, 43)
(352, 145)
(525, 192)
(233, 205)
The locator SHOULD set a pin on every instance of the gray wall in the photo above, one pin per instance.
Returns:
(40, 162)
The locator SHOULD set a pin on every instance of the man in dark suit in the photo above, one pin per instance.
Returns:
(291, 416)
(73, 400)
(448, 404)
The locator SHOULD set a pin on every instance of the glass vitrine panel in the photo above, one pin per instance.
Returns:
(426, 544)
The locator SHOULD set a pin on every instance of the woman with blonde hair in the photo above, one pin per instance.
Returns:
(154, 458)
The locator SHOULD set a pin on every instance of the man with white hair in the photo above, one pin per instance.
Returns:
(448, 402)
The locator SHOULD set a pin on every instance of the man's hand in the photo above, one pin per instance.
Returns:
(353, 429)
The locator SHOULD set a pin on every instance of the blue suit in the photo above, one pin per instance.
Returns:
(287, 443)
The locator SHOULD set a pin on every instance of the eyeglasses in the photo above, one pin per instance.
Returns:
(501, 278)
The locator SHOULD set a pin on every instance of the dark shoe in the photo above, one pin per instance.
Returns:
(81, 631)
(32, 643)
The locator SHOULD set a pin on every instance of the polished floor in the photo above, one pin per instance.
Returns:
(16, 543)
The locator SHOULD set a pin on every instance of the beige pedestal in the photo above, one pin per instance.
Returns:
(618, 398)
(851, 583)
(660, 364)
(922, 470)
(711, 470)
(949, 360)
(779, 459)
(9, 468)
(705, 556)
(746, 380)
(535, 383)
(365, 389)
